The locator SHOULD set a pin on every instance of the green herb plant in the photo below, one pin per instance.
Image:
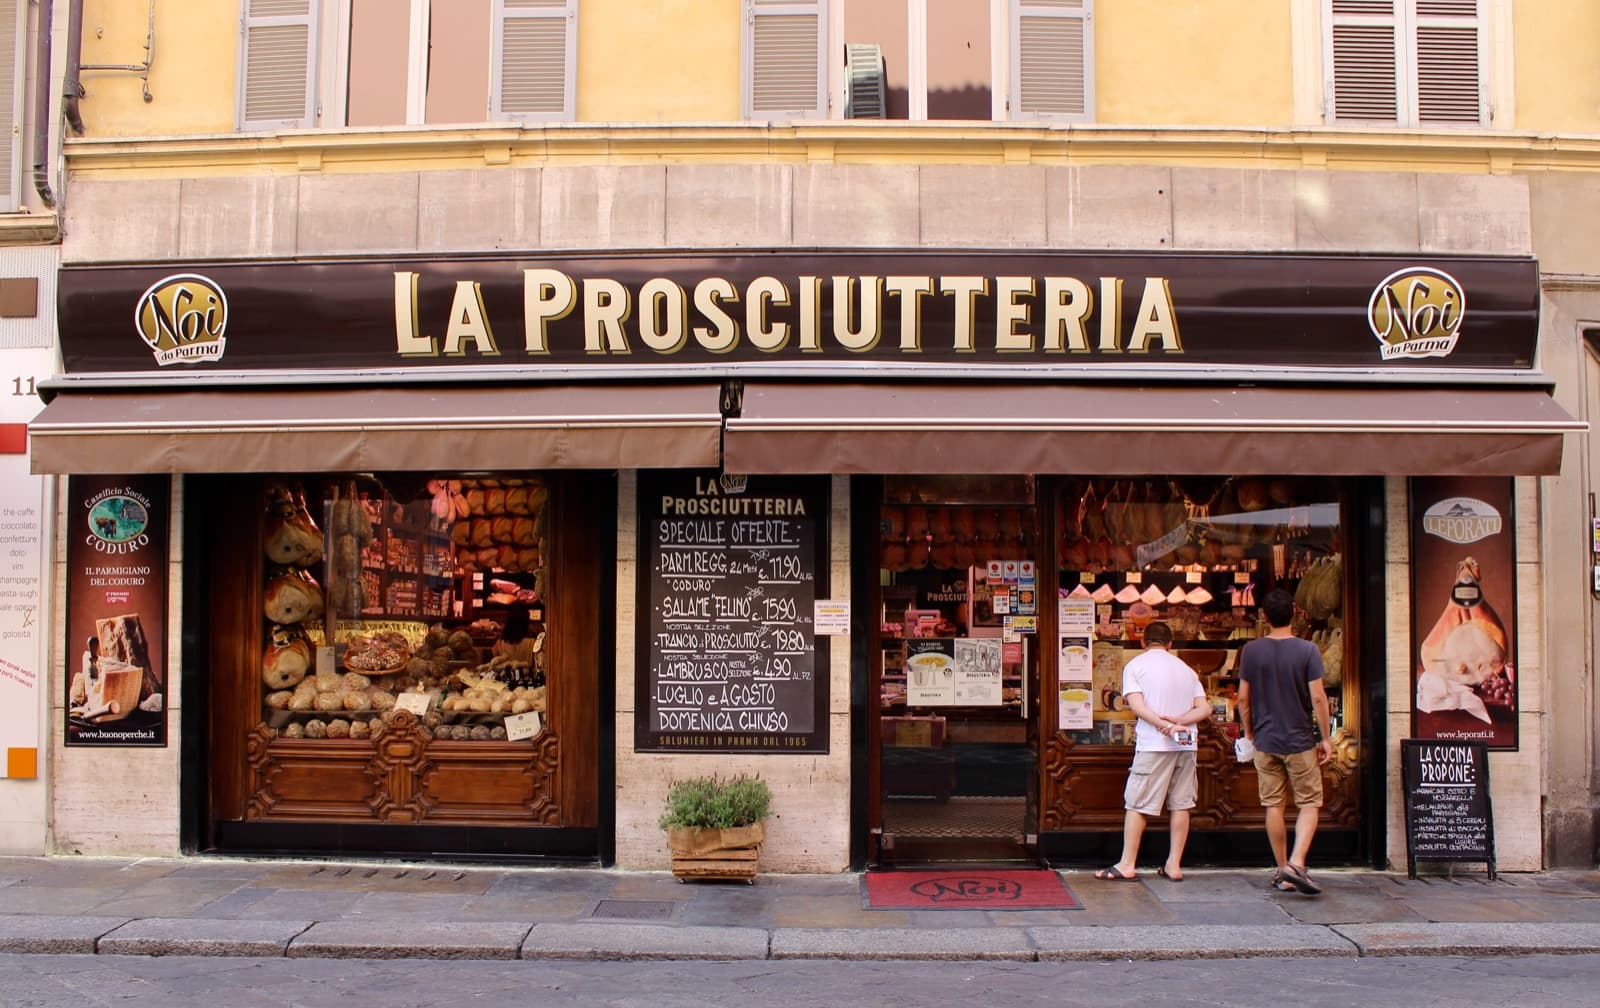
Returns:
(716, 803)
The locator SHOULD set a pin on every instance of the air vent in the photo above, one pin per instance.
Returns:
(864, 65)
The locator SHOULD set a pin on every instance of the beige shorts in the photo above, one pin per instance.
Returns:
(1275, 774)
(1160, 777)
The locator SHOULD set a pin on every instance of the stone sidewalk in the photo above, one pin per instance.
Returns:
(235, 907)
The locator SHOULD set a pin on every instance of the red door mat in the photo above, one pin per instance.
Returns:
(968, 889)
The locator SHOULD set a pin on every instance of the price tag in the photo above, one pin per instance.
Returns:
(1135, 577)
(1086, 577)
(1241, 577)
(326, 664)
(416, 703)
(1193, 577)
(522, 726)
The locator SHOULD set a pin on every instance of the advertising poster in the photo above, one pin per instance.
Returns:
(977, 679)
(1463, 605)
(117, 530)
(22, 571)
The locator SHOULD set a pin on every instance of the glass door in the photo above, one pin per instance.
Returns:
(956, 666)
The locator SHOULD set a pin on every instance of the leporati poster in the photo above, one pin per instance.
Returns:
(117, 530)
(1463, 610)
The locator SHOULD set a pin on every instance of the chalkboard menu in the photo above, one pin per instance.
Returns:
(1448, 817)
(728, 572)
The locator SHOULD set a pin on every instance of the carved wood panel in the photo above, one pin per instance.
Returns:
(405, 776)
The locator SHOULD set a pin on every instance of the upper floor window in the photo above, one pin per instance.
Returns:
(1407, 62)
(414, 62)
(1052, 59)
(785, 63)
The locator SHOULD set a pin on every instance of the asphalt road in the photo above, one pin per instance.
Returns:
(180, 982)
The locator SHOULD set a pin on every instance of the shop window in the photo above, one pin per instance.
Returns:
(1406, 62)
(404, 594)
(1200, 555)
(785, 64)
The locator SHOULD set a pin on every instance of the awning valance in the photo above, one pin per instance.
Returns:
(412, 427)
(1119, 430)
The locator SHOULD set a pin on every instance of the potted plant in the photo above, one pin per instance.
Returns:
(715, 826)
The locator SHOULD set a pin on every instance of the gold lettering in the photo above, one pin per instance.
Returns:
(547, 296)
(606, 307)
(1110, 313)
(407, 341)
(1067, 304)
(1156, 319)
(708, 296)
(663, 315)
(810, 317)
(844, 296)
(911, 291)
(966, 290)
(763, 292)
(469, 323)
(1007, 313)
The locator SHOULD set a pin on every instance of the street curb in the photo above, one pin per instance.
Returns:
(40, 934)
(1192, 941)
(902, 944)
(159, 936)
(644, 941)
(1448, 939)
(374, 939)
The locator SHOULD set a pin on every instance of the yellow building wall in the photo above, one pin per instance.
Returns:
(1193, 62)
(191, 79)
(1554, 45)
(667, 61)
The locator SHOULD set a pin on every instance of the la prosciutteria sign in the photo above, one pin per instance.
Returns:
(895, 309)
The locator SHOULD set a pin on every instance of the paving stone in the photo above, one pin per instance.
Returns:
(380, 939)
(902, 944)
(1506, 938)
(181, 936)
(1187, 942)
(643, 941)
(42, 934)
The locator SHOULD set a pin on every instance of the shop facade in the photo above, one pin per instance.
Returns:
(996, 462)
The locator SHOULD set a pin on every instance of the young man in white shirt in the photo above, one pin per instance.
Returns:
(1167, 696)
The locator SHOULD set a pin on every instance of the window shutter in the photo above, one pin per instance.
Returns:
(279, 40)
(1052, 59)
(11, 63)
(1365, 60)
(1409, 62)
(535, 49)
(1449, 62)
(784, 60)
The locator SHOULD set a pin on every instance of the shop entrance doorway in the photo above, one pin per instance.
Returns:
(955, 663)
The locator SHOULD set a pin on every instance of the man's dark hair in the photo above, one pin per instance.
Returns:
(1278, 607)
(1158, 633)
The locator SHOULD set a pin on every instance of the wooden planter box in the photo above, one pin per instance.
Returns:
(716, 853)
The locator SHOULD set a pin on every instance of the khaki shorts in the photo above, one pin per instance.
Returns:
(1158, 777)
(1275, 773)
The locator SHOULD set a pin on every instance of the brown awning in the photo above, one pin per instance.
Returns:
(1115, 430)
(411, 427)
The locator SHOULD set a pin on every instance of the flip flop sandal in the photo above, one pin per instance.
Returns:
(1280, 884)
(1298, 878)
(1162, 871)
(1110, 873)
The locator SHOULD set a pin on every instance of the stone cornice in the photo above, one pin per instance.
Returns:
(412, 148)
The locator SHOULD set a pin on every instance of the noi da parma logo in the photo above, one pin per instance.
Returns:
(182, 318)
(1462, 520)
(1417, 312)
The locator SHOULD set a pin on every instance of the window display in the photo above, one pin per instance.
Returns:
(403, 594)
